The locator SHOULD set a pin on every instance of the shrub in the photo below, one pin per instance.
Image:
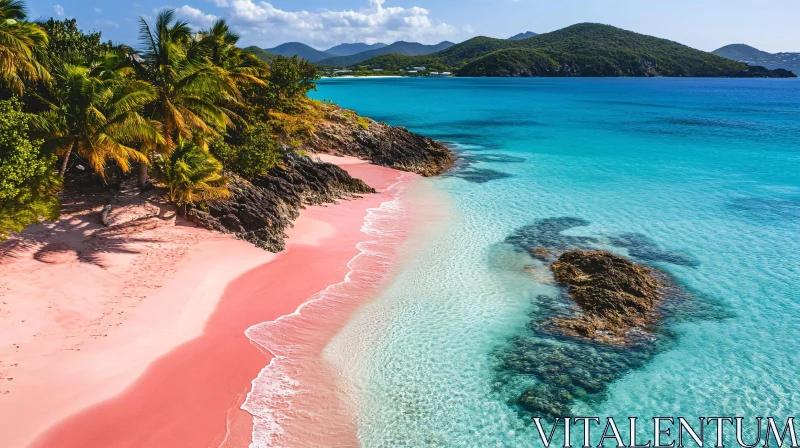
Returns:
(257, 152)
(28, 183)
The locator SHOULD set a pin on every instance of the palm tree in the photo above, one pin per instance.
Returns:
(98, 119)
(242, 67)
(193, 175)
(18, 41)
(188, 87)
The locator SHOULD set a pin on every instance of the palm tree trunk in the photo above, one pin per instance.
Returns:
(144, 176)
(66, 160)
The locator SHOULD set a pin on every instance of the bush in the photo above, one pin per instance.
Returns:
(28, 182)
(290, 79)
(257, 152)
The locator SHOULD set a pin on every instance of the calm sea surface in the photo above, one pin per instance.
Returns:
(697, 177)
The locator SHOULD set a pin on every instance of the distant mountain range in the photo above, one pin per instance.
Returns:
(586, 49)
(290, 49)
(524, 35)
(345, 55)
(753, 56)
(401, 48)
(351, 49)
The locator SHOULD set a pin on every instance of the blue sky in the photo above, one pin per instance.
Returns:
(770, 25)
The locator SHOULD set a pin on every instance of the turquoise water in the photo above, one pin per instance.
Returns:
(698, 178)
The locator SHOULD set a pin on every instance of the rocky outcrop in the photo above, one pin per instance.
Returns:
(343, 132)
(259, 210)
(617, 297)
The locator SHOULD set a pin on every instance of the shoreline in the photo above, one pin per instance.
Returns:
(298, 398)
(204, 375)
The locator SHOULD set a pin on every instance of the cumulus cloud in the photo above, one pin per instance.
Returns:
(195, 17)
(260, 22)
(59, 10)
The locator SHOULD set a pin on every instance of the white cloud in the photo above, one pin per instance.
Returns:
(59, 10)
(195, 17)
(98, 10)
(262, 23)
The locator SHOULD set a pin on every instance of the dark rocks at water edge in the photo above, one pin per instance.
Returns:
(259, 210)
(616, 296)
(343, 132)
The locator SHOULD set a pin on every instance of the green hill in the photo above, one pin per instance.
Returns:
(300, 50)
(753, 56)
(740, 52)
(586, 49)
(261, 53)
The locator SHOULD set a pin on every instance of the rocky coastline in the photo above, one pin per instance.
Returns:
(343, 133)
(261, 208)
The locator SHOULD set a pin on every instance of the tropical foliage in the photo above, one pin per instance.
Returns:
(18, 41)
(97, 119)
(177, 101)
(67, 44)
(27, 182)
(193, 175)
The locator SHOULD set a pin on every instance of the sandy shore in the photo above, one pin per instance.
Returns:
(134, 335)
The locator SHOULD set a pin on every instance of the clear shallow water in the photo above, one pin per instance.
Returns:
(705, 170)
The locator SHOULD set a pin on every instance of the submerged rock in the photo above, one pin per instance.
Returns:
(343, 132)
(615, 295)
(609, 317)
(259, 210)
(540, 253)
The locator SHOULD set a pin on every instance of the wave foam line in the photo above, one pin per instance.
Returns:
(296, 399)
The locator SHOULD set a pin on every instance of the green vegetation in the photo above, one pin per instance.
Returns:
(193, 176)
(261, 54)
(290, 80)
(28, 184)
(514, 62)
(18, 41)
(96, 119)
(68, 45)
(585, 49)
(255, 151)
(184, 99)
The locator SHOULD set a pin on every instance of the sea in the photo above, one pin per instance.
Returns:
(697, 178)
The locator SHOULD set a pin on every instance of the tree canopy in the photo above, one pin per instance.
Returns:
(180, 100)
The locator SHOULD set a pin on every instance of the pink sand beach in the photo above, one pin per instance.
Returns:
(134, 335)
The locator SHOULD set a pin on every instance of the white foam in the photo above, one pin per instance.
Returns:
(270, 400)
